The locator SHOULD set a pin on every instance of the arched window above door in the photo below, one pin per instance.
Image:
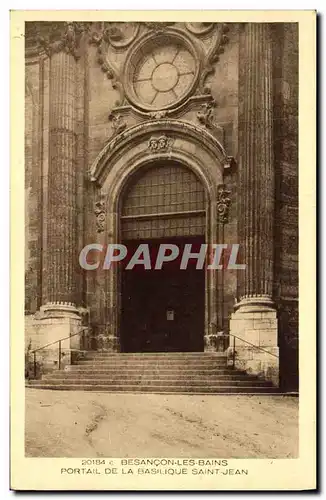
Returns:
(161, 201)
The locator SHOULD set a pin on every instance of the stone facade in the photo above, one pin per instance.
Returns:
(219, 99)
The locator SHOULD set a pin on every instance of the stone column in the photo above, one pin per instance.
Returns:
(255, 318)
(61, 282)
(60, 315)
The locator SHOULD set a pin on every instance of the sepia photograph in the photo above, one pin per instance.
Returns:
(161, 218)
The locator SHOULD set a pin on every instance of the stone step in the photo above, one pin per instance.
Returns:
(151, 355)
(149, 371)
(118, 364)
(147, 383)
(159, 373)
(144, 376)
(168, 389)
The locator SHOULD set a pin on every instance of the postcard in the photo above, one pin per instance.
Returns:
(163, 215)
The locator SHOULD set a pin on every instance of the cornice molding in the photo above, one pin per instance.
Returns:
(192, 103)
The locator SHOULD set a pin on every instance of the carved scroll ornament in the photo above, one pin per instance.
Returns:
(223, 203)
(118, 123)
(99, 211)
(213, 55)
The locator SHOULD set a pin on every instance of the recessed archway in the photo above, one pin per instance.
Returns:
(162, 211)
(159, 142)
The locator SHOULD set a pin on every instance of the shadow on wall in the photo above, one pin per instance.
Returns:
(289, 349)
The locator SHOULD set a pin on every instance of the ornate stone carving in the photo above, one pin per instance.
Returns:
(142, 133)
(113, 34)
(99, 211)
(156, 144)
(120, 36)
(112, 73)
(117, 34)
(162, 97)
(110, 35)
(205, 115)
(95, 38)
(157, 26)
(55, 37)
(213, 55)
(223, 203)
(118, 123)
(192, 104)
(229, 162)
(158, 114)
(199, 29)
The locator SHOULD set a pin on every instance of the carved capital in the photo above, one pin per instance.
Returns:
(223, 203)
(54, 37)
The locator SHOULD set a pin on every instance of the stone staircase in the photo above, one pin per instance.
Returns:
(180, 373)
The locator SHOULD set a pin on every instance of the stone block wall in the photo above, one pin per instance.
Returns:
(256, 329)
(286, 286)
(33, 188)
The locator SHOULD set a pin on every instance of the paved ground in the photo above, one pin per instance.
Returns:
(84, 424)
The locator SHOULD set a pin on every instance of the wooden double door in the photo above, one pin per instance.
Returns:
(163, 310)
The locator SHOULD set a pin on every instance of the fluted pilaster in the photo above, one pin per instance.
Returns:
(256, 169)
(255, 319)
(61, 276)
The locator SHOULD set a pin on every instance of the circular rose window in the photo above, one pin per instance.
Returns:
(161, 73)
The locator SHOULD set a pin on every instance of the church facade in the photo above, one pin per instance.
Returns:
(163, 133)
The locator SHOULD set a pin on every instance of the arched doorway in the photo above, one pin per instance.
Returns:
(163, 309)
(155, 142)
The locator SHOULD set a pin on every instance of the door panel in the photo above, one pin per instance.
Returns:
(163, 310)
